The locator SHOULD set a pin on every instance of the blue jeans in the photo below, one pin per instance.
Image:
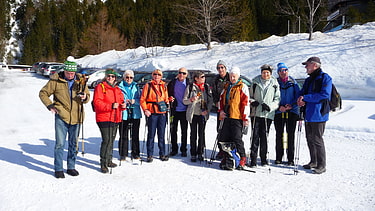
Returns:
(61, 130)
(156, 122)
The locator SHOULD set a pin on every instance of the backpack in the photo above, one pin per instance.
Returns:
(231, 158)
(92, 102)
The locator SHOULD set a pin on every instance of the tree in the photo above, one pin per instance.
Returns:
(313, 7)
(205, 19)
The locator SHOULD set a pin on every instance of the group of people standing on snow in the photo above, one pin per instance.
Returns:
(119, 107)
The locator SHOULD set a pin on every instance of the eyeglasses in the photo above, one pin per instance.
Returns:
(157, 74)
(221, 67)
(129, 77)
(183, 73)
(202, 76)
(111, 76)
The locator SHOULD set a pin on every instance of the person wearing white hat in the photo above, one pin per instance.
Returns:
(234, 110)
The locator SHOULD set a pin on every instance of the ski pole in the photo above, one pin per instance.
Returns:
(216, 141)
(268, 151)
(296, 158)
(144, 137)
(251, 139)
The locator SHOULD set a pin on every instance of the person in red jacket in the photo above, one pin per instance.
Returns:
(108, 103)
(154, 100)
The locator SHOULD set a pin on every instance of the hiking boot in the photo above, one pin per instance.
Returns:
(164, 158)
(193, 159)
(183, 154)
(136, 157)
(173, 153)
(112, 165)
(200, 158)
(59, 174)
(278, 162)
(242, 162)
(104, 169)
(264, 163)
(309, 166)
(319, 170)
(72, 172)
(149, 159)
(122, 158)
(290, 163)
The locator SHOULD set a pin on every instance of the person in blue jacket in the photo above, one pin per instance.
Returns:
(287, 114)
(131, 117)
(315, 95)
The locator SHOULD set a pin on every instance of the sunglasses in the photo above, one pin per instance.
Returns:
(111, 76)
(183, 73)
(157, 74)
(202, 76)
(129, 77)
(218, 68)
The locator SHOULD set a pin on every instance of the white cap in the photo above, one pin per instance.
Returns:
(235, 70)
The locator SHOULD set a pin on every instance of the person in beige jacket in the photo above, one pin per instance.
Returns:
(69, 92)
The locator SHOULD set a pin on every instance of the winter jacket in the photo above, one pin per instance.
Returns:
(131, 91)
(289, 93)
(171, 92)
(218, 86)
(104, 96)
(69, 107)
(149, 98)
(270, 96)
(205, 102)
(238, 105)
(316, 92)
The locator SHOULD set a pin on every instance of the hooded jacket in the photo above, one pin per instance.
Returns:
(104, 97)
(149, 97)
(238, 104)
(69, 105)
(270, 96)
(289, 93)
(316, 92)
(131, 91)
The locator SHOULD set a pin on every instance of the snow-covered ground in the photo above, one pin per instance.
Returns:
(27, 137)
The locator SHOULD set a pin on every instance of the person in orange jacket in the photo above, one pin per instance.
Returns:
(154, 102)
(108, 103)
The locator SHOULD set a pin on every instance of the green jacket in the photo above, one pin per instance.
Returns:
(270, 96)
(70, 108)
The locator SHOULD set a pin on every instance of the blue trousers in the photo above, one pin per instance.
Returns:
(61, 130)
(156, 122)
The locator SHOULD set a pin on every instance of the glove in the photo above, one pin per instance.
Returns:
(254, 103)
(265, 107)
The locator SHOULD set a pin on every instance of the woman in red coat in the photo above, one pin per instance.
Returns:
(109, 104)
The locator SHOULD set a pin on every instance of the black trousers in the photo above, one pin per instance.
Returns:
(179, 116)
(232, 132)
(197, 127)
(286, 120)
(315, 142)
(259, 138)
(126, 126)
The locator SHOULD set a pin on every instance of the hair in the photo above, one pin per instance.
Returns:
(198, 74)
(128, 72)
(317, 64)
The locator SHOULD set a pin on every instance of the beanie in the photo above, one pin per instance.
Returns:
(221, 62)
(235, 70)
(266, 67)
(110, 71)
(281, 66)
(70, 66)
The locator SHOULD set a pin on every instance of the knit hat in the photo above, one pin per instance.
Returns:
(110, 71)
(312, 59)
(266, 67)
(221, 62)
(235, 70)
(70, 66)
(281, 66)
